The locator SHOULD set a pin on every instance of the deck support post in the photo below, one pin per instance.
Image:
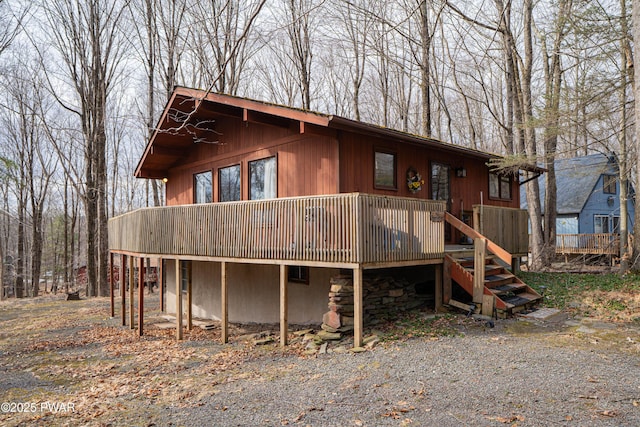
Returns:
(284, 325)
(515, 264)
(140, 296)
(480, 254)
(438, 288)
(123, 287)
(446, 281)
(224, 309)
(357, 307)
(111, 290)
(160, 279)
(189, 296)
(178, 301)
(132, 283)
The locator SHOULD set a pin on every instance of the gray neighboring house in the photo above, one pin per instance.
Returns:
(588, 195)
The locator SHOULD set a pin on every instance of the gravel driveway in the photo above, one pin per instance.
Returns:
(521, 373)
(479, 380)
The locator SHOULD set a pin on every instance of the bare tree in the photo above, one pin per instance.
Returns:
(635, 18)
(89, 40)
(354, 45)
(626, 63)
(300, 15)
(553, 74)
(10, 23)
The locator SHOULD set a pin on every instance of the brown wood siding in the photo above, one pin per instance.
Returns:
(307, 164)
(357, 173)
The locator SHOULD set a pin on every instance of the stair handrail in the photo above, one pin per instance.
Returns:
(491, 246)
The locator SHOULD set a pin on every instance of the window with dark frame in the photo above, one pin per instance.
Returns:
(203, 187)
(298, 274)
(440, 178)
(385, 170)
(229, 184)
(499, 186)
(609, 182)
(184, 275)
(605, 224)
(263, 179)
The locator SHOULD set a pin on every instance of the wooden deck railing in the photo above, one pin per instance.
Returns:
(595, 244)
(508, 227)
(343, 228)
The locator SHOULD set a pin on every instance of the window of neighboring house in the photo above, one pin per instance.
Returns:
(385, 170)
(606, 224)
(440, 182)
(229, 184)
(609, 184)
(203, 187)
(263, 179)
(499, 186)
(298, 274)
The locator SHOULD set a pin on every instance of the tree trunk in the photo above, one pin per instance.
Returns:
(425, 76)
(36, 250)
(20, 262)
(635, 259)
(625, 53)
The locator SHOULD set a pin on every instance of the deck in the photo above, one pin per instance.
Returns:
(588, 244)
(342, 231)
(349, 231)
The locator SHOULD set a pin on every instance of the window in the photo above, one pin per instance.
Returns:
(384, 170)
(606, 224)
(298, 274)
(263, 179)
(499, 186)
(229, 184)
(439, 181)
(609, 184)
(203, 187)
(184, 275)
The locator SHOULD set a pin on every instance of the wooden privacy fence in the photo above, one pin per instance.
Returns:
(343, 228)
(594, 244)
(508, 227)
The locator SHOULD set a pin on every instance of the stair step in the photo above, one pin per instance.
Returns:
(520, 299)
(469, 261)
(506, 288)
(498, 279)
(489, 269)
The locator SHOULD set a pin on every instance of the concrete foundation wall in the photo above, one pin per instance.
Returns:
(253, 293)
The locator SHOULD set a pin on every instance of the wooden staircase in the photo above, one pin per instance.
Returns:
(506, 293)
(492, 286)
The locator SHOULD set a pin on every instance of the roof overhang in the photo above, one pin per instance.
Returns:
(190, 116)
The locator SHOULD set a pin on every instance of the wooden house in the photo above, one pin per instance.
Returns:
(266, 204)
(588, 205)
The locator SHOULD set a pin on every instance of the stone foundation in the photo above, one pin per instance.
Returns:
(382, 297)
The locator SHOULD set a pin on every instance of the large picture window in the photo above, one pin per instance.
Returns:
(499, 186)
(263, 179)
(385, 170)
(229, 184)
(440, 181)
(202, 187)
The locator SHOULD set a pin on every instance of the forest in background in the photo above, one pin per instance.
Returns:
(83, 82)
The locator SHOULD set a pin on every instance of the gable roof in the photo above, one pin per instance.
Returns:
(190, 115)
(575, 180)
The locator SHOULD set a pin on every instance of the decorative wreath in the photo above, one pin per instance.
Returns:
(414, 180)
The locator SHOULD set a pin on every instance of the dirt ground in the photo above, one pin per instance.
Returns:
(68, 363)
